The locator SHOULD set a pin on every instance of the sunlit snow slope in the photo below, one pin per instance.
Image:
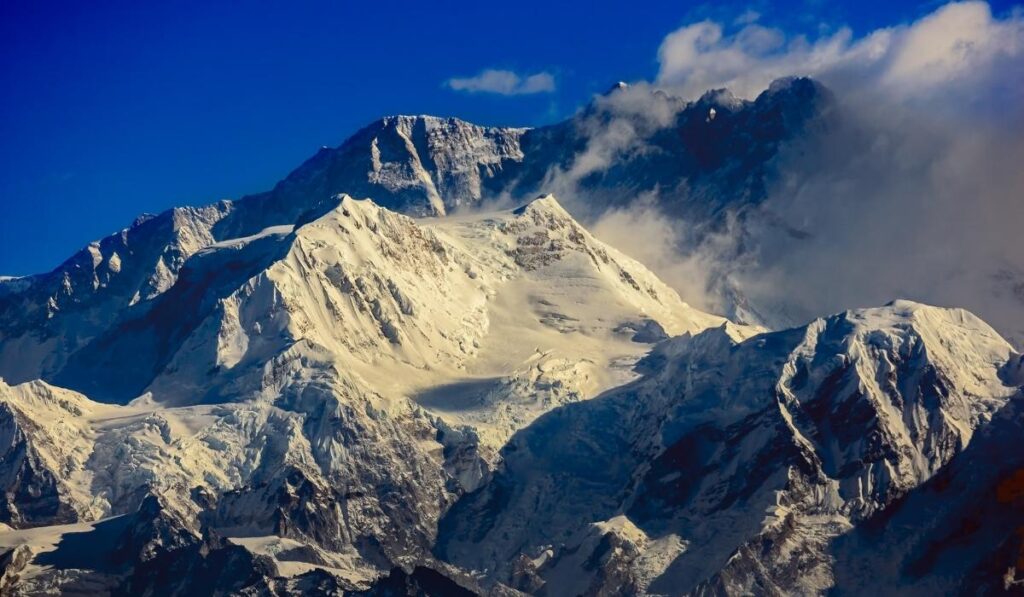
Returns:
(364, 367)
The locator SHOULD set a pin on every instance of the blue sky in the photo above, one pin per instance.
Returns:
(111, 109)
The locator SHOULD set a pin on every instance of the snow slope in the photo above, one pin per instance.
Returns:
(297, 383)
(732, 466)
(488, 403)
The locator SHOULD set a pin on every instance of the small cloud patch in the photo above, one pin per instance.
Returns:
(503, 82)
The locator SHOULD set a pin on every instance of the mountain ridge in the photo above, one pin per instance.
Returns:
(451, 164)
(303, 392)
(270, 430)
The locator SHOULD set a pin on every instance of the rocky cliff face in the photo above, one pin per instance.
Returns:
(418, 165)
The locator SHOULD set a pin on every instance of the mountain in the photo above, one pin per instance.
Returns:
(633, 142)
(747, 467)
(48, 317)
(424, 165)
(487, 404)
(707, 168)
(420, 166)
(333, 387)
(430, 392)
(45, 318)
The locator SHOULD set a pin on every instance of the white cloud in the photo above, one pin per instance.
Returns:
(915, 192)
(895, 203)
(749, 16)
(504, 82)
(959, 42)
(645, 233)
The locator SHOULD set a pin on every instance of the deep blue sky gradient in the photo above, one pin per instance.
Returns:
(111, 109)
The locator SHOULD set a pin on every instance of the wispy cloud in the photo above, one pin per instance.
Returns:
(747, 17)
(957, 43)
(504, 82)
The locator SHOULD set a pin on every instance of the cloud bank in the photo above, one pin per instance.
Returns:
(895, 204)
(958, 43)
(504, 82)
